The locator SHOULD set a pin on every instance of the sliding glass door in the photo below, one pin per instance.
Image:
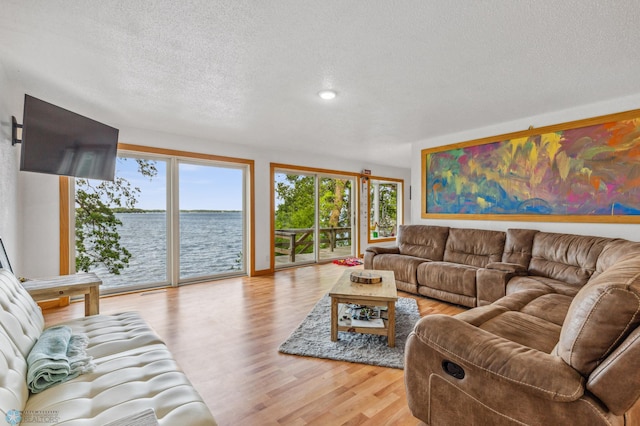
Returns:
(165, 220)
(211, 220)
(295, 218)
(121, 227)
(314, 217)
(336, 216)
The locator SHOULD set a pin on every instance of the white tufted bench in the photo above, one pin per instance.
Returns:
(134, 370)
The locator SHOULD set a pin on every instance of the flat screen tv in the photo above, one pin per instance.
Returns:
(60, 142)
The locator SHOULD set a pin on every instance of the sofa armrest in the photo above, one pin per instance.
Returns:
(514, 268)
(373, 251)
(491, 281)
(481, 352)
(384, 250)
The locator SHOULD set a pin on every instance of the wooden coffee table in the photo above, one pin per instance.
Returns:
(380, 294)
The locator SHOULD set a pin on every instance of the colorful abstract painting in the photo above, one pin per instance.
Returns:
(592, 170)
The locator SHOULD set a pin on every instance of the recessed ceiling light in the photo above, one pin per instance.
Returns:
(327, 94)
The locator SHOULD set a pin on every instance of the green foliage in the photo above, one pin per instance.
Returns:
(296, 205)
(296, 202)
(335, 203)
(97, 237)
(388, 206)
(238, 262)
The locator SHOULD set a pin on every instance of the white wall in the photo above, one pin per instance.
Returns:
(35, 247)
(40, 231)
(628, 231)
(40, 204)
(9, 165)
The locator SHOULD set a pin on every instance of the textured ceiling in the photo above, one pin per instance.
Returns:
(248, 72)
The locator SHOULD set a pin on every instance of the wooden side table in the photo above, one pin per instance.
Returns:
(68, 285)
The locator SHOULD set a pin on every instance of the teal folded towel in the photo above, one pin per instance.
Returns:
(56, 357)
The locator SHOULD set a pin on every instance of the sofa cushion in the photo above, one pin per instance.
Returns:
(565, 257)
(134, 371)
(518, 246)
(548, 285)
(404, 267)
(110, 334)
(551, 307)
(20, 316)
(449, 277)
(13, 373)
(603, 314)
(447, 296)
(481, 314)
(424, 241)
(524, 329)
(474, 247)
(614, 251)
(522, 317)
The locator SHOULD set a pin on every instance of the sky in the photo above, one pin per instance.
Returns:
(201, 187)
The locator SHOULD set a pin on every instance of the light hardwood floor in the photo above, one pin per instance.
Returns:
(225, 335)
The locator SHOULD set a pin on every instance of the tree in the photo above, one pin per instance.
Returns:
(296, 208)
(387, 206)
(97, 237)
(296, 203)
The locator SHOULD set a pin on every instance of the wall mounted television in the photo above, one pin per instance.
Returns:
(60, 142)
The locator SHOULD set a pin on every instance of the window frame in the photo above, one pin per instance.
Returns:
(399, 206)
(67, 205)
(318, 174)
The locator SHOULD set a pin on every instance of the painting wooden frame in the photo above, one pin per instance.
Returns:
(580, 171)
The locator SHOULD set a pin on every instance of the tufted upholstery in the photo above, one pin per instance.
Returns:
(134, 369)
(20, 316)
(13, 373)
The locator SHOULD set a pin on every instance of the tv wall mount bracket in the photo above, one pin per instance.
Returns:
(14, 131)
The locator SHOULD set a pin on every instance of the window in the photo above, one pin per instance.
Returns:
(385, 208)
(128, 231)
(188, 222)
(211, 220)
(313, 216)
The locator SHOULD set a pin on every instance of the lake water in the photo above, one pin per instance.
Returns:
(210, 244)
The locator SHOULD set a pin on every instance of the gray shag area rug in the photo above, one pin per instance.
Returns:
(313, 337)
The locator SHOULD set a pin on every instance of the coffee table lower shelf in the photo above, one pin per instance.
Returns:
(388, 330)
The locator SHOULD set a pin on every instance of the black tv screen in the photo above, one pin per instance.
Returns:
(60, 142)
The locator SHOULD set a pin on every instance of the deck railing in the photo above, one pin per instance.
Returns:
(290, 242)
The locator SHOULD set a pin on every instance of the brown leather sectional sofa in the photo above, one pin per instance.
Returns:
(437, 261)
(554, 339)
